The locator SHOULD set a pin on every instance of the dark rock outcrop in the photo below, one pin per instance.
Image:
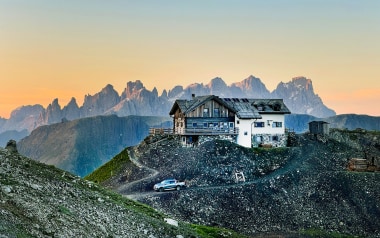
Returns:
(11, 146)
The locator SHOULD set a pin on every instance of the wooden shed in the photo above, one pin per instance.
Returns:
(319, 127)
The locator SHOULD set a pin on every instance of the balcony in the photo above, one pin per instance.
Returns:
(195, 131)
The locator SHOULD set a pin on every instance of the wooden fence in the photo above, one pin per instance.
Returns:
(194, 131)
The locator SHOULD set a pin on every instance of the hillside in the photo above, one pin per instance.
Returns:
(298, 191)
(38, 200)
(82, 145)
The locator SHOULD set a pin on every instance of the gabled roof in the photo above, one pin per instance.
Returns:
(189, 105)
(243, 107)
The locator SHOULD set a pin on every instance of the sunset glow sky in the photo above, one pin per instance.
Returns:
(70, 48)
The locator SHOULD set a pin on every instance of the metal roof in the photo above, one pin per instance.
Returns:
(243, 107)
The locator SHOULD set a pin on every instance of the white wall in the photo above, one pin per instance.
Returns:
(247, 129)
(245, 133)
(268, 129)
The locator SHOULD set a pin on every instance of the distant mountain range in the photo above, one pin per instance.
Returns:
(298, 95)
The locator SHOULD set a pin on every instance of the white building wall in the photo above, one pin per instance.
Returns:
(247, 128)
(245, 132)
(268, 128)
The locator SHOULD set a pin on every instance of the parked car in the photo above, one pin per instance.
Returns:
(169, 184)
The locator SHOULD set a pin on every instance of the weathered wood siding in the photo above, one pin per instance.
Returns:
(210, 109)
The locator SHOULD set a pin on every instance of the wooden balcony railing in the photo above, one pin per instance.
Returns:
(195, 131)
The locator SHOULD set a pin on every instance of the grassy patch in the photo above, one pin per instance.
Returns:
(109, 169)
(64, 210)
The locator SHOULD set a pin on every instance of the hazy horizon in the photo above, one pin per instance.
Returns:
(65, 49)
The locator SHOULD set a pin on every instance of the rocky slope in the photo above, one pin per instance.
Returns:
(293, 192)
(37, 200)
(82, 145)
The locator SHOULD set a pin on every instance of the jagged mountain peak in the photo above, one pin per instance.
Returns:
(132, 89)
(54, 103)
(299, 96)
(73, 101)
(218, 87)
(251, 87)
(108, 89)
(303, 82)
(21, 111)
(134, 86)
(216, 81)
(176, 92)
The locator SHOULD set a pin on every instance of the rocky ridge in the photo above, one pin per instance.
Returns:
(38, 200)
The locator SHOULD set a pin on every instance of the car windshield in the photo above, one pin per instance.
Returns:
(167, 181)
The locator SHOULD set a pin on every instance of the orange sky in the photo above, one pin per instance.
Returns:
(64, 49)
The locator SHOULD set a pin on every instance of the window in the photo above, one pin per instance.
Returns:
(237, 122)
(245, 133)
(216, 112)
(261, 107)
(277, 124)
(205, 112)
(205, 125)
(259, 124)
(195, 125)
(274, 138)
(231, 125)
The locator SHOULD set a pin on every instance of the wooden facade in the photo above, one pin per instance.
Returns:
(208, 116)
